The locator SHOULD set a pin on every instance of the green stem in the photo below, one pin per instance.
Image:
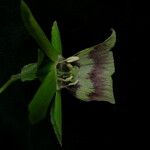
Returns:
(10, 81)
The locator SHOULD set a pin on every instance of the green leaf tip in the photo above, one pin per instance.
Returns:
(56, 116)
(36, 32)
(56, 39)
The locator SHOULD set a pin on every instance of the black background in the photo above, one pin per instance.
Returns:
(94, 125)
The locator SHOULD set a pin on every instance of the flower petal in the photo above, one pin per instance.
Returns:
(95, 68)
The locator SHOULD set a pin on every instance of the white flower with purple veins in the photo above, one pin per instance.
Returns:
(88, 73)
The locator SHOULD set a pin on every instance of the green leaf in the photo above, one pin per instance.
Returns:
(36, 32)
(56, 39)
(39, 105)
(29, 72)
(56, 113)
(56, 116)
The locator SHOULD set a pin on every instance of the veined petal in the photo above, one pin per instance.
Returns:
(94, 71)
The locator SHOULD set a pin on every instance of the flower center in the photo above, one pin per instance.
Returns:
(65, 72)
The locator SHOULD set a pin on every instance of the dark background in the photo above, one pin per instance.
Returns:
(83, 23)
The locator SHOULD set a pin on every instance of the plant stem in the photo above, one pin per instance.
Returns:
(11, 80)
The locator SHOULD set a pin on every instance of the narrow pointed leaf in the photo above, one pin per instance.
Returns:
(56, 117)
(36, 32)
(40, 102)
(56, 113)
(55, 38)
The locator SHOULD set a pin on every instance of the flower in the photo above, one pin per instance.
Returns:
(88, 73)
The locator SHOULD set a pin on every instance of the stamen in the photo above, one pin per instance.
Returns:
(72, 59)
(69, 66)
(65, 80)
(73, 83)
